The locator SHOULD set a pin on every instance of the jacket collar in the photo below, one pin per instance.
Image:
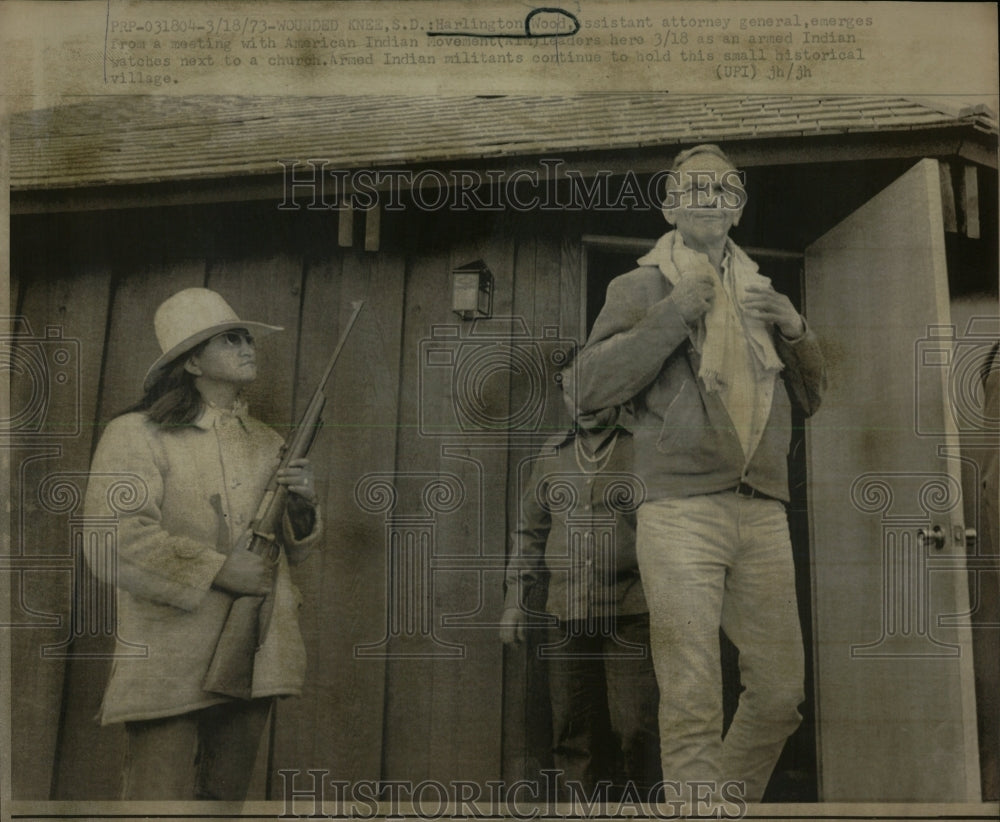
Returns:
(212, 414)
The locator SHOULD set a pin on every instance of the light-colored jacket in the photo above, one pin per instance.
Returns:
(196, 490)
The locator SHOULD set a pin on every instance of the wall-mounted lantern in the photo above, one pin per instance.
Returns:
(472, 291)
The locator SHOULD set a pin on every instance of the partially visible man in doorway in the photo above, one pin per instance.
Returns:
(708, 358)
(576, 533)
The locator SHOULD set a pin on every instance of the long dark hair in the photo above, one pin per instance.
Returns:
(172, 400)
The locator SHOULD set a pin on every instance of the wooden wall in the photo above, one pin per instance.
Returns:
(396, 709)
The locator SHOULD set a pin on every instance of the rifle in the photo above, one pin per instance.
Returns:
(231, 671)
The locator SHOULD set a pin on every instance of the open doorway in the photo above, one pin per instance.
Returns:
(795, 777)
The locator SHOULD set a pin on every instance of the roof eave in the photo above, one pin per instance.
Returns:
(263, 183)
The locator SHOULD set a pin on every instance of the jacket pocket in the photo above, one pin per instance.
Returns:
(682, 419)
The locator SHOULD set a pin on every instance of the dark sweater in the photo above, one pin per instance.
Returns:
(576, 531)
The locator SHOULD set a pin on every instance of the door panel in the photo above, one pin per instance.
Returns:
(895, 700)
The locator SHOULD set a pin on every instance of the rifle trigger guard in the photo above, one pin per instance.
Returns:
(273, 553)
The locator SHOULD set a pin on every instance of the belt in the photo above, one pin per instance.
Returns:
(744, 490)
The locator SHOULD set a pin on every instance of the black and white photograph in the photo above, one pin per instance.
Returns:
(483, 410)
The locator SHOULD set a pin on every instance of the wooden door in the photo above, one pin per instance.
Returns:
(895, 698)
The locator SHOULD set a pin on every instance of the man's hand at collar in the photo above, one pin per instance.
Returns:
(765, 304)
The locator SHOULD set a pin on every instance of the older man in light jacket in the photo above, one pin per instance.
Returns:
(709, 358)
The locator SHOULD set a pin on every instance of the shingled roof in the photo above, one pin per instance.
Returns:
(130, 140)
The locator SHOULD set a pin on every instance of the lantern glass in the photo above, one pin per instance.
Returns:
(472, 291)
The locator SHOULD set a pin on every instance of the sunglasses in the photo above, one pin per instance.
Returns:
(235, 338)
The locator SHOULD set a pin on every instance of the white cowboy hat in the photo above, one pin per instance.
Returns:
(190, 317)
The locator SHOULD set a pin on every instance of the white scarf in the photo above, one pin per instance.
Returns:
(738, 359)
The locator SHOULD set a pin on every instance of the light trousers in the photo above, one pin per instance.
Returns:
(710, 561)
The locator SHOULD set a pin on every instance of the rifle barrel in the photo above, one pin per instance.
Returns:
(340, 344)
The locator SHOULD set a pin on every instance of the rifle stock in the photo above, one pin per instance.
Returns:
(231, 670)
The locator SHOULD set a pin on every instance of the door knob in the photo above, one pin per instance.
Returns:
(934, 538)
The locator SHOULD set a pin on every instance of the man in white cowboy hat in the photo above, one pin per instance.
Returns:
(199, 464)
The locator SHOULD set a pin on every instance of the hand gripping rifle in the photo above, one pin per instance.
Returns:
(231, 670)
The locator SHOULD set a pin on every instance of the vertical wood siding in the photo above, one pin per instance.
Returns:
(67, 288)
(361, 716)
